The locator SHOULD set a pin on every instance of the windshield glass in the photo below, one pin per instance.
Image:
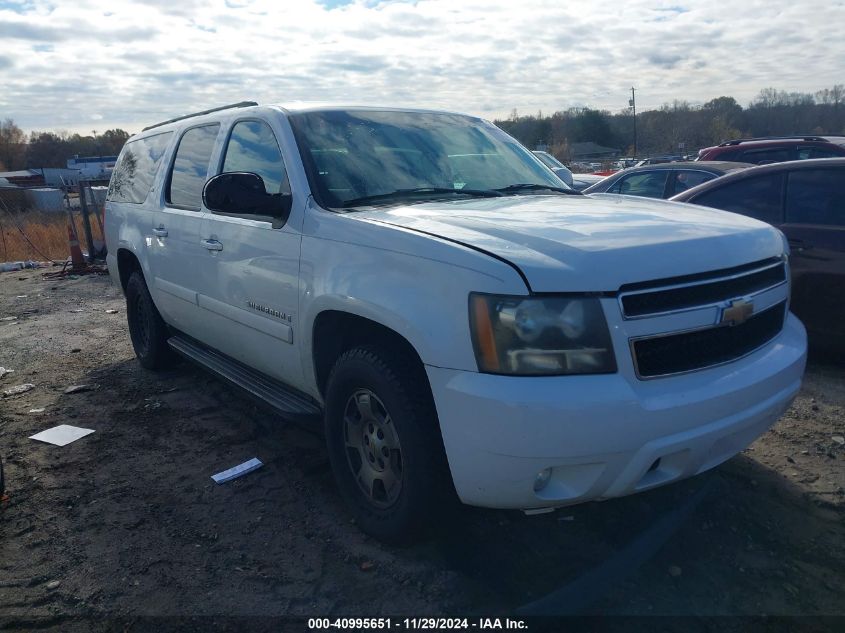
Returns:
(360, 155)
(550, 160)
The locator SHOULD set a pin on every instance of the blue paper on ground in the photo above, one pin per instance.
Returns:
(237, 471)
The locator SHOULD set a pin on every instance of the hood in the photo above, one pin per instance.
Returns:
(591, 243)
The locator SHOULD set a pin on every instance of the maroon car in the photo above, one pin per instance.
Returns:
(806, 200)
(761, 151)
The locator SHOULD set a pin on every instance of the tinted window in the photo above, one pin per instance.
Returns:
(757, 156)
(817, 152)
(727, 155)
(683, 180)
(136, 169)
(351, 155)
(252, 147)
(649, 184)
(190, 168)
(758, 197)
(816, 196)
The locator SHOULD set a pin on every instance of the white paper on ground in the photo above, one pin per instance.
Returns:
(237, 471)
(61, 435)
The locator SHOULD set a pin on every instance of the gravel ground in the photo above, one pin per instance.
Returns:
(127, 523)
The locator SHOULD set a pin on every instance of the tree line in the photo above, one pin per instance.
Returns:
(676, 128)
(682, 128)
(53, 149)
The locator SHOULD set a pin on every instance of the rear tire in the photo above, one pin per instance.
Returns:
(384, 444)
(147, 329)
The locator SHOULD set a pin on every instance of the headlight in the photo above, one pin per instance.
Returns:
(530, 336)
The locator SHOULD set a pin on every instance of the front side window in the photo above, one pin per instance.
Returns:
(353, 156)
(190, 167)
(816, 196)
(650, 184)
(759, 198)
(253, 148)
(136, 169)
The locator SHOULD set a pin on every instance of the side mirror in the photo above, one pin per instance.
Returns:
(243, 193)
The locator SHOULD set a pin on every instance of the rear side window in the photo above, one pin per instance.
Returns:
(683, 179)
(649, 185)
(190, 167)
(816, 196)
(136, 169)
(772, 155)
(758, 198)
(817, 152)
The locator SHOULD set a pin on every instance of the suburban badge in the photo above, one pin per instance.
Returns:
(284, 316)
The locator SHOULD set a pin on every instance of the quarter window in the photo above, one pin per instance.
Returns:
(253, 147)
(816, 196)
(758, 198)
(190, 168)
(136, 168)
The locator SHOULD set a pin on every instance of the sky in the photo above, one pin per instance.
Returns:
(84, 65)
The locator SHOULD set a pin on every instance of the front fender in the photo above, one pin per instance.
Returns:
(423, 300)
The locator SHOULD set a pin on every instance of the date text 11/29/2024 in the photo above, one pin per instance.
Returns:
(414, 624)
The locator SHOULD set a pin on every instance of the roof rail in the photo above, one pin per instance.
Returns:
(801, 137)
(240, 104)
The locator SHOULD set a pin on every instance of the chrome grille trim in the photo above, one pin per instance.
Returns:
(711, 280)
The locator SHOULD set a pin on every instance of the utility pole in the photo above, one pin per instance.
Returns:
(633, 103)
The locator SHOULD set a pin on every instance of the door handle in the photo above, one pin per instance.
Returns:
(160, 231)
(212, 245)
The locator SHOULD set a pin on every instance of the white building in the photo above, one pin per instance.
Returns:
(93, 167)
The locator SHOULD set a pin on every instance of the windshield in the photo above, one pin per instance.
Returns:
(365, 155)
(550, 160)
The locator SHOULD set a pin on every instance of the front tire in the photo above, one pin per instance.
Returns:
(384, 444)
(146, 327)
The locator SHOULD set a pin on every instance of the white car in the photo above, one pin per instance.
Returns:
(417, 282)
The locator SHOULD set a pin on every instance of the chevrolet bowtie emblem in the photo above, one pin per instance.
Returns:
(736, 312)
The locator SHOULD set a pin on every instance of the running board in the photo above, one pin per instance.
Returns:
(279, 396)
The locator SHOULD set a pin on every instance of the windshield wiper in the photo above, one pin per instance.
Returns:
(530, 186)
(424, 191)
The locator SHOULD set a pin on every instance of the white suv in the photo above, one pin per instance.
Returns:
(458, 319)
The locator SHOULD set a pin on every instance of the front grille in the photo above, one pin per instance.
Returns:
(702, 293)
(697, 349)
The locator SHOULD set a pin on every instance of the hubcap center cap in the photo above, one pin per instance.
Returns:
(375, 447)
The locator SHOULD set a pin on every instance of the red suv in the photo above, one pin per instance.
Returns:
(777, 149)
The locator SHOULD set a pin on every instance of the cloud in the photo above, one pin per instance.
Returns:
(665, 60)
(20, 30)
(150, 60)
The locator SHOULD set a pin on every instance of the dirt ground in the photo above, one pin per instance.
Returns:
(127, 523)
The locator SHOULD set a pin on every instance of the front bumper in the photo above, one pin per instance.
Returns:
(608, 435)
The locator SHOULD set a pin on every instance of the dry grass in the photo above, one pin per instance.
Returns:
(46, 231)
